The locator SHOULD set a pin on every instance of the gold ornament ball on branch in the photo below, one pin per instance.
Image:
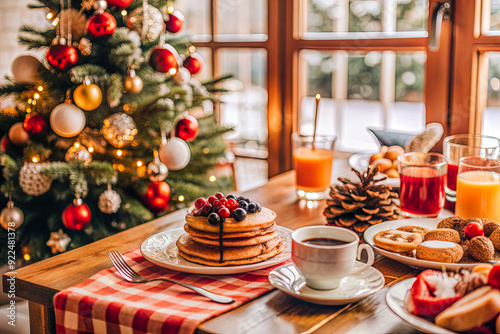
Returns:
(88, 97)
(11, 217)
(32, 182)
(148, 25)
(67, 120)
(25, 69)
(17, 135)
(78, 153)
(119, 129)
(133, 84)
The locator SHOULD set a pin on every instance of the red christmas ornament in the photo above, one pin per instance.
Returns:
(164, 59)
(174, 21)
(193, 63)
(101, 25)
(62, 57)
(76, 215)
(187, 128)
(5, 143)
(35, 124)
(119, 3)
(157, 196)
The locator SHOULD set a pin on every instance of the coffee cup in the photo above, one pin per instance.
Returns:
(326, 254)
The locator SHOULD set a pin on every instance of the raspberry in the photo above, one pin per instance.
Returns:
(231, 202)
(219, 195)
(211, 199)
(223, 201)
(224, 212)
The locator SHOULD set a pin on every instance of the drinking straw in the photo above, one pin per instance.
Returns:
(318, 97)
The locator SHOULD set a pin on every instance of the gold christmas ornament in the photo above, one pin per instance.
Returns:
(87, 96)
(147, 21)
(119, 129)
(17, 135)
(58, 241)
(157, 171)
(32, 182)
(78, 152)
(133, 83)
(78, 22)
(11, 217)
(67, 120)
(109, 201)
(358, 205)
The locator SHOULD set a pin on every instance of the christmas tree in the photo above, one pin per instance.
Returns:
(102, 137)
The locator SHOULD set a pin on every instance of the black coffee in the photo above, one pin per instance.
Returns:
(324, 241)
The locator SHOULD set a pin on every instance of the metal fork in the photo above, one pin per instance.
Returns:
(130, 275)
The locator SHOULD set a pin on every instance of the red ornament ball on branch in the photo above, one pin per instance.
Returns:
(193, 63)
(174, 21)
(157, 196)
(101, 25)
(165, 59)
(35, 124)
(5, 143)
(75, 217)
(62, 57)
(187, 128)
(119, 3)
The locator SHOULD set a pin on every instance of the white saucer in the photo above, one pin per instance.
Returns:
(352, 288)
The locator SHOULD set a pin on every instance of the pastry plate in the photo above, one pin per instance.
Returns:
(352, 288)
(395, 300)
(161, 250)
(360, 162)
(430, 223)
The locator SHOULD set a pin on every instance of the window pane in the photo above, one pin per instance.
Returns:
(495, 15)
(245, 105)
(239, 20)
(491, 114)
(197, 18)
(366, 16)
(361, 90)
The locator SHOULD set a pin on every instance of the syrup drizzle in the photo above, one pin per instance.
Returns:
(221, 230)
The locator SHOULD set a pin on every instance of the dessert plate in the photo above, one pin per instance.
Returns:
(395, 300)
(430, 223)
(360, 162)
(352, 288)
(161, 250)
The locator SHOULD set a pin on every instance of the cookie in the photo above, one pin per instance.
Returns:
(443, 234)
(414, 229)
(495, 239)
(481, 249)
(460, 227)
(397, 241)
(489, 225)
(450, 222)
(440, 251)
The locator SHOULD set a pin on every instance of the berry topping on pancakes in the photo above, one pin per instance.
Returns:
(225, 207)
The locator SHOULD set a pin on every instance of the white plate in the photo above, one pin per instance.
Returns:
(430, 223)
(352, 288)
(162, 251)
(395, 300)
(361, 161)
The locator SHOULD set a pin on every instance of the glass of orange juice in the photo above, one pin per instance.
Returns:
(313, 165)
(478, 188)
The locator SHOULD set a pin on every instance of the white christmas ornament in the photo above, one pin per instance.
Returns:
(67, 120)
(25, 69)
(109, 201)
(58, 241)
(175, 154)
(182, 76)
(31, 181)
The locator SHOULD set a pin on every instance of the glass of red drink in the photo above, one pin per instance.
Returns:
(423, 179)
(465, 145)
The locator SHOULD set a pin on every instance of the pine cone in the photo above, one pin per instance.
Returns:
(358, 205)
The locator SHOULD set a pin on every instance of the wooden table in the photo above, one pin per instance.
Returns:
(275, 312)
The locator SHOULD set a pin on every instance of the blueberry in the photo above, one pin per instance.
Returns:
(213, 218)
(243, 198)
(239, 214)
(254, 207)
(243, 205)
(231, 196)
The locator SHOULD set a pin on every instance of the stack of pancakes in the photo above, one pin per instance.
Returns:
(252, 240)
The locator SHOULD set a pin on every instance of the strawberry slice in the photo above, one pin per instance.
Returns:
(421, 299)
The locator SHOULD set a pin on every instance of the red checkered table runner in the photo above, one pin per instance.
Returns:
(105, 303)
